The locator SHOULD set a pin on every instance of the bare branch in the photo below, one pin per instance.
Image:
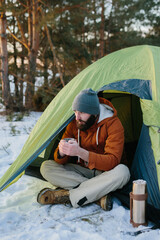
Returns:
(22, 3)
(54, 55)
(25, 45)
(22, 32)
(21, 12)
(19, 78)
(30, 83)
(43, 3)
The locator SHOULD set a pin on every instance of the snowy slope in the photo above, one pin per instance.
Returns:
(22, 218)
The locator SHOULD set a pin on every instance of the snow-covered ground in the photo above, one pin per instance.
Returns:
(22, 218)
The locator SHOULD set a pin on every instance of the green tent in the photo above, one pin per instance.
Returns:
(130, 79)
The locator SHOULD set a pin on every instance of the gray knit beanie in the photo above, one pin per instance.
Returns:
(86, 101)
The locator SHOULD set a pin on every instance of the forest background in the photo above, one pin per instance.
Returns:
(44, 44)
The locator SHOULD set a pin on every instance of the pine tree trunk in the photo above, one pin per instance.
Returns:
(30, 81)
(109, 30)
(45, 70)
(21, 80)
(32, 54)
(53, 52)
(4, 61)
(102, 29)
(15, 68)
(95, 54)
(54, 56)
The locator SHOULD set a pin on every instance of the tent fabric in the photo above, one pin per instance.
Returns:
(151, 118)
(17, 170)
(143, 167)
(151, 114)
(140, 88)
(133, 70)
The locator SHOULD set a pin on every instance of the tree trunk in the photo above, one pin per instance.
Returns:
(32, 54)
(95, 54)
(54, 53)
(15, 68)
(21, 81)
(29, 4)
(102, 29)
(109, 30)
(4, 60)
(30, 80)
(45, 61)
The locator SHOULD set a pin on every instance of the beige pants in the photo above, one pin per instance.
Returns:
(84, 185)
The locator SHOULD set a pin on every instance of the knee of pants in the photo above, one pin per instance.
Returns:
(46, 166)
(43, 167)
(123, 173)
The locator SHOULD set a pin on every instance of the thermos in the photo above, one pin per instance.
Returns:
(138, 198)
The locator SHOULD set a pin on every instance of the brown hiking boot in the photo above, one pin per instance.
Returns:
(105, 202)
(53, 196)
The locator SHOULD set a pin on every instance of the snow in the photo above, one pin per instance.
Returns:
(23, 218)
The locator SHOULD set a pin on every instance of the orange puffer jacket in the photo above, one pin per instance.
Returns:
(104, 139)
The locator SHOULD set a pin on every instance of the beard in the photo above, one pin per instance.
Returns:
(84, 125)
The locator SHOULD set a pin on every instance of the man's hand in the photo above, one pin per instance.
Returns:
(71, 148)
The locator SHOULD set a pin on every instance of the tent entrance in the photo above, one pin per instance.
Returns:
(130, 114)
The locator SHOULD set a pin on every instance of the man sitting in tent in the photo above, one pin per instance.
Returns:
(87, 167)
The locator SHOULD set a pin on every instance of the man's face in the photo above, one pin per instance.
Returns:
(84, 120)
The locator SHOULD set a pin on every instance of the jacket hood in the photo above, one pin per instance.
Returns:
(106, 110)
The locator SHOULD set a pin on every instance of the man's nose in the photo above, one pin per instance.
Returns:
(77, 115)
